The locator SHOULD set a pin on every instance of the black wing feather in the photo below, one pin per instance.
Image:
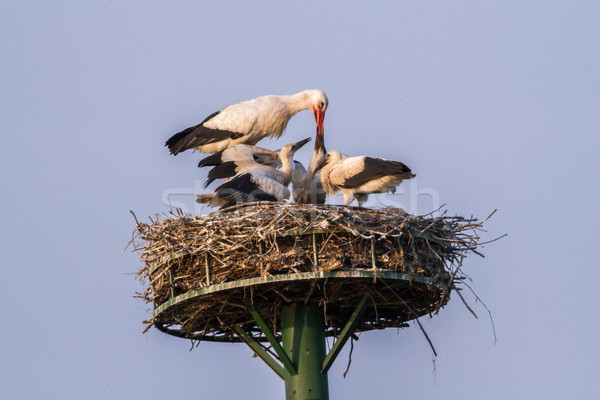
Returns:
(213, 159)
(376, 168)
(197, 136)
(242, 189)
(224, 170)
(221, 171)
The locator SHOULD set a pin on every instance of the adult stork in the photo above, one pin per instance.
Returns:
(256, 182)
(248, 122)
(360, 176)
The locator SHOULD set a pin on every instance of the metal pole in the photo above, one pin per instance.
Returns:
(303, 339)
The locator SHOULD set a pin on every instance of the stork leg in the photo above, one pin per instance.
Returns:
(348, 198)
(361, 198)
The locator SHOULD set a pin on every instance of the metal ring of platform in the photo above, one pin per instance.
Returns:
(390, 304)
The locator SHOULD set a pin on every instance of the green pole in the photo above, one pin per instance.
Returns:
(303, 339)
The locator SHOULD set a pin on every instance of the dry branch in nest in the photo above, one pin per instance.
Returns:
(185, 255)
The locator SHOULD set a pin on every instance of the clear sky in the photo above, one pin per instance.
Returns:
(494, 104)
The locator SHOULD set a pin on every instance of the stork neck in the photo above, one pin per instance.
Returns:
(318, 157)
(286, 168)
(286, 164)
(297, 102)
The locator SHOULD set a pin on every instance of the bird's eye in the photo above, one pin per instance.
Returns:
(322, 105)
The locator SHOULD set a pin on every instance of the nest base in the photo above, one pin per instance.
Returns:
(203, 269)
(396, 299)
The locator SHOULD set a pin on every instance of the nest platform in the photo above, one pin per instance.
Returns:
(203, 272)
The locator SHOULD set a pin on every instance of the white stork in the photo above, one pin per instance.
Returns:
(305, 191)
(360, 176)
(307, 187)
(242, 157)
(248, 122)
(242, 152)
(256, 182)
(230, 162)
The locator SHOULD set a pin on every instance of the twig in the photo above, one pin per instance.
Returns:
(349, 356)
(487, 309)
(426, 337)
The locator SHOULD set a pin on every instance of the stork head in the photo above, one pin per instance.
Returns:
(318, 104)
(290, 149)
(296, 146)
(332, 157)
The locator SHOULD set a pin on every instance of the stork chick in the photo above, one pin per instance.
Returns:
(307, 187)
(256, 182)
(231, 161)
(357, 177)
(242, 152)
(307, 190)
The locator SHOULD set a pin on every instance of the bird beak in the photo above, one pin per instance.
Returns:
(319, 117)
(299, 144)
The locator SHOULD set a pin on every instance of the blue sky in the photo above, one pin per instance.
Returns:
(494, 104)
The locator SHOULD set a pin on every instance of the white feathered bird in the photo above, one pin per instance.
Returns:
(306, 184)
(249, 121)
(256, 182)
(357, 177)
(229, 162)
(241, 152)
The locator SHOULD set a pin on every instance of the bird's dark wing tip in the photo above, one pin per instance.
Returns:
(223, 170)
(208, 182)
(213, 159)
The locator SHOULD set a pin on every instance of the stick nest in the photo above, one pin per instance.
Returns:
(184, 253)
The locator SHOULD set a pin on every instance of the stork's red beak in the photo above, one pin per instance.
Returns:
(319, 117)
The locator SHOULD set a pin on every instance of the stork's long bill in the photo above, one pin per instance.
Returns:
(299, 144)
(319, 117)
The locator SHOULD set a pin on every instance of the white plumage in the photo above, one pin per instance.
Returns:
(306, 184)
(235, 159)
(357, 177)
(256, 182)
(248, 122)
(241, 152)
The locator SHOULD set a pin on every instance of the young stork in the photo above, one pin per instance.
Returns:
(226, 163)
(235, 159)
(248, 122)
(242, 152)
(256, 182)
(307, 187)
(304, 189)
(360, 176)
